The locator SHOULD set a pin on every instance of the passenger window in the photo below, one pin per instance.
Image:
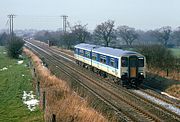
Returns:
(112, 62)
(116, 63)
(87, 54)
(94, 56)
(76, 51)
(124, 62)
(103, 59)
(81, 52)
(140, 62)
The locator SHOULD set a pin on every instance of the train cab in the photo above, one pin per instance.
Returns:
(132, 69)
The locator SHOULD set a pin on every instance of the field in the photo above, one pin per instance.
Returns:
(176, 51)
(14, 79)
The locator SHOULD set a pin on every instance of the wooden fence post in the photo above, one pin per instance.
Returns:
(44, 100)
(38, 88)
(53, 118)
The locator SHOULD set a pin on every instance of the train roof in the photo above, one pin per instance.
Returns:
(105, 50)
(85, 46)
(113, 51)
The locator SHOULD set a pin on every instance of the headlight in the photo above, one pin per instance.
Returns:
(141, 73)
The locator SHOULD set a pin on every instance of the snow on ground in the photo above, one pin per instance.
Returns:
(4, 68)
(164, 93)
(20, 62)
(159, 102)
(4, 52)
(29, 100)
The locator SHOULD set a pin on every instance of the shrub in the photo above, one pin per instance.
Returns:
(157, 56)
(14, 47)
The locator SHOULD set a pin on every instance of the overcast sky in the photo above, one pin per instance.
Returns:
(45, 14)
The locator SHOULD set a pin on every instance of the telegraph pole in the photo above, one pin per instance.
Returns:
(64, 17)
(11, 24)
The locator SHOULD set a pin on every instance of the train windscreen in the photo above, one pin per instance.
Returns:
(140, 62)
(124, 62)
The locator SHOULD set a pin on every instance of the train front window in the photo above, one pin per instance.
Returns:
(140, 62)
(124, 62)
(133, 61)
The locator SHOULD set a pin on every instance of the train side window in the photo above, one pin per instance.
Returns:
(94, 56)
(98, 57)
(76, 50)
(81, 52)
(87, 54)
(103, 59)
(116, 63)
(108, 60)
(112, 63)
(124, 61)
(140, 62)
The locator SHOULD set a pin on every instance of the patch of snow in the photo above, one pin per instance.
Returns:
(4, 52)
(20, 62)
(29, 100)
(4, 68)
(159, 102)
(164, 93)
(20, 56)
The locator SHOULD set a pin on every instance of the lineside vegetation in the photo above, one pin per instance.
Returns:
(160, 60)
(14, 47)
(61, 101)
(14, 79)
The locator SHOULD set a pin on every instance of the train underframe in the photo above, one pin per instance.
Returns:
(124, 80)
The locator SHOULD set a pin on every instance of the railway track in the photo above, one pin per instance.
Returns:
(150, 91)
(115, 92)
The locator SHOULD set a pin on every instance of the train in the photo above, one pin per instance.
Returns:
(120, 66)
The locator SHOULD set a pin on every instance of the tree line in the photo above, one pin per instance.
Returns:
(107, 35)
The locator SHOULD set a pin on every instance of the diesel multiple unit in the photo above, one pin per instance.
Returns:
(126, 67)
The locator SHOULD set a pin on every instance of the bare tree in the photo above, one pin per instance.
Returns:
(105, 31)
(68, 39)
(80, 32)
(176, 36)
(163, 34)
(128, 34)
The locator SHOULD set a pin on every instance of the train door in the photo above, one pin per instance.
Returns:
(133, 69)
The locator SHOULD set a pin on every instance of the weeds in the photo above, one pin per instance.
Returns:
(61, 101)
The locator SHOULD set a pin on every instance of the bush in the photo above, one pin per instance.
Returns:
(157, 56)
(14, 47)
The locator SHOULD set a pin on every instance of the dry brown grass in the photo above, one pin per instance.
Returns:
(60, 99)
(174, 90)
(174, 75)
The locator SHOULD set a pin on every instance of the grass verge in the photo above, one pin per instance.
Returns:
(61, 103)
(13, 81)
